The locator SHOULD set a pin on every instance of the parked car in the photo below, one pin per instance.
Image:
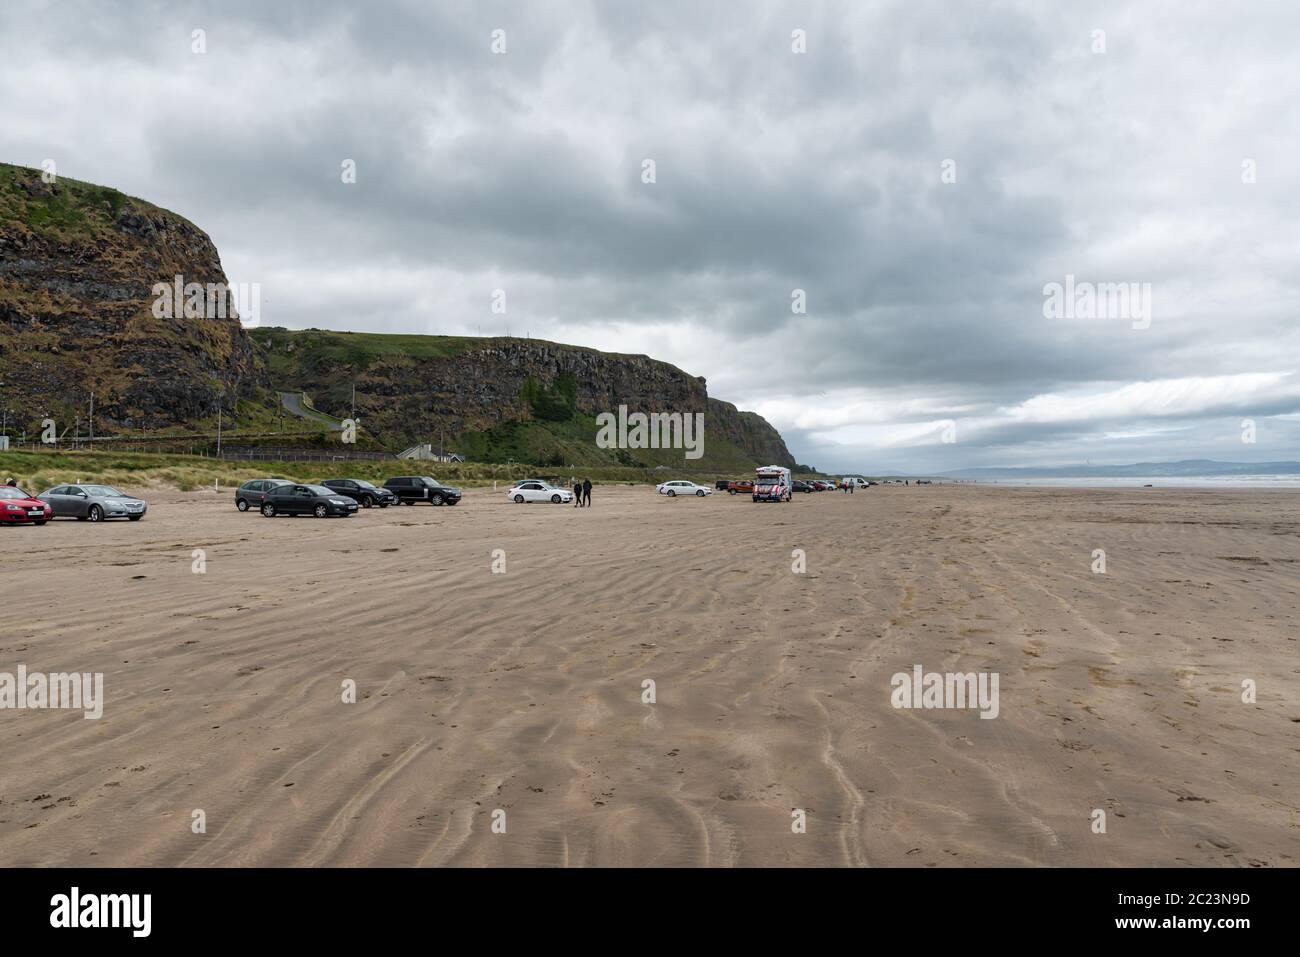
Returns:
(93, 503)
(682, 487)
(365, 494)
(410, 489)
(744, 485)
(535, 490)
(17, 507)
(307, 500)
(721, 485)
(801, 486)
(253, 492)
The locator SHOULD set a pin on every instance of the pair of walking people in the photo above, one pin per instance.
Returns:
(582, 493)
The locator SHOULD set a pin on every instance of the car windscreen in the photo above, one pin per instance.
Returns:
(362, 483)
(102, 491)
(8, 491)
(322, 490)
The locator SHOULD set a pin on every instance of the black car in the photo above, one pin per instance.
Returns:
(307, 500)
(721, 485)
(253, 494)
(802, 486)
(410, 489)
(365, 494)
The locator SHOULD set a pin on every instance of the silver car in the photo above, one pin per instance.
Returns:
(93, 503)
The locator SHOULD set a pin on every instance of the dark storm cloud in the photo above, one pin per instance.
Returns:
(776, 171)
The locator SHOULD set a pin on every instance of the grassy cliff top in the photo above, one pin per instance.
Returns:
(66, 207)
(361, 348)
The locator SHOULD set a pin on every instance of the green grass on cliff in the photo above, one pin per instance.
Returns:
(65, 207)
(574, 442)
(320, 348)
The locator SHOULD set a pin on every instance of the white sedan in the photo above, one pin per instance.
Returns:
(673, 489)
(539, 491)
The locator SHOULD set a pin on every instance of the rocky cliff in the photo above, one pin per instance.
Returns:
(78, 314)
(78, 264)
(427, 388)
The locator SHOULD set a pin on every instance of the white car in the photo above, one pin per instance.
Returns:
(673, 489)
(539, 491)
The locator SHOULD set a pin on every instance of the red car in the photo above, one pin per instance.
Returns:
(17, 506)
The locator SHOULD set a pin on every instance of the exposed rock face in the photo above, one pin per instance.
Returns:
(402, 397)
(77, 268)
(751, 432)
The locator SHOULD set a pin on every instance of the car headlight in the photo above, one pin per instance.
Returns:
(13, 508)
(338, 501)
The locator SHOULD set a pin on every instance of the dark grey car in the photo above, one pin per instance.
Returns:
(253, 493)
(94, 503)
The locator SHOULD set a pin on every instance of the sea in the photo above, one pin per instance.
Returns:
(1158, 481)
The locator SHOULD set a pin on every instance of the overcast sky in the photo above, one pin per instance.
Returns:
(1162, 152)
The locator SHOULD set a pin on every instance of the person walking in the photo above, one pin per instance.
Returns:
(577, 494)
(586, 492)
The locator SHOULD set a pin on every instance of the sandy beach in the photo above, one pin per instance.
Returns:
(523, 692)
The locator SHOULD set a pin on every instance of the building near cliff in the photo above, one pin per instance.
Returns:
(427, 453)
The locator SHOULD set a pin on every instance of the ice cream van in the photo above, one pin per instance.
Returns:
(772, 484)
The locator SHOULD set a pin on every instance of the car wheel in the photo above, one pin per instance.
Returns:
(320, 511)
(731, 491)
(700, 492)
(519, 500)
(435, 500)
(407, 501)
(672, 494)
(241, 504)
(555, 499)
(268, 510)
(96, 514)
(367, 501)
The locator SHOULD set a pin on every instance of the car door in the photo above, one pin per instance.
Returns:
(303, 499)
(55, 497)
(533, 492)
(76, 501)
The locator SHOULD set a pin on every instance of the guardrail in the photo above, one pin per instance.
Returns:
(265, 454)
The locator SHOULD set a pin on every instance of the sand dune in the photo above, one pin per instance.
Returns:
(523, 691)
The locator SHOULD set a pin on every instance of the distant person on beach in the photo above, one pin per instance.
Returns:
(577, 494)
(11, 483)
(586, 492)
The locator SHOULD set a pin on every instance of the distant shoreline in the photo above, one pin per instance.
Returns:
(1156, 481)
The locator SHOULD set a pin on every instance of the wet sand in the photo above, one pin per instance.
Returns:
(523, 692)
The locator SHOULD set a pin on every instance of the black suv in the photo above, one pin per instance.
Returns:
(253, 493)
(365, 494)
(410, 489)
